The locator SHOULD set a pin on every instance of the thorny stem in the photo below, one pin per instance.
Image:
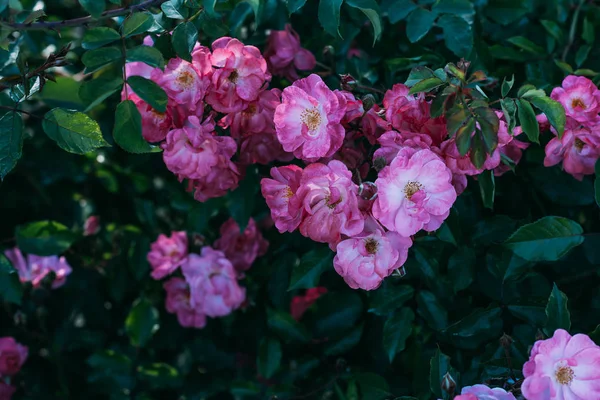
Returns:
(572, 31)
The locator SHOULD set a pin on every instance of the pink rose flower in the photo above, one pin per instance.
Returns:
(155, 125)
(182, 82)
(563, 367)
(580, 98)
(178, 302)
(373, 125)
(578, 149)
(354, 107)
(284, 54)
(36, 268)
(328, 197)
(213, 283)
(415, 192)
(352, 153)
(278, 192)
(167, 254)
(222, 177)
(483, 392)
(256, 118)
(300, 304)
(366, 259)
(91, 225)
(391, 142)
(262, 148)
(240, 74)
(12, 356)
(308, 120)
(405, 112)
(6, 391)
(241, 248)
(462, 165)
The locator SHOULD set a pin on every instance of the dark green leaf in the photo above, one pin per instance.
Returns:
(73, 131)
(44, 238)
(509, 109)
(11, 289)
(137, 23)
(464, 135)
(388, 297)
(142, 322)
(426, 85)
(295, 5)
(505, 11)
(336, 312)
(432, 310)
(418, 23)
(461, 268)
(329, 16)
(557, 311)
(98, 58)
(372, 386)
(528, 121)
(564, 66)
(174, 9)
(94, 7)
(98, 37)
(128, 129)
(456, 7)
(159, 375)
(526, 44)
(477, 328)
(553, 29)
(371, 10)
(306, 274)
(345, 343)
(418, 74)
(458, 35)
(582, 54)
(547, 239)
(111, 366)
(488, 123)
(478, 150)
(397, 10)
(11, 141)
(507, 85)
(286, 327)
(530, 310)
(184, 39)
(588, 34)
(95, 91)
(150, 92)
(146, 54)
(241, 201)
(456, 117)
(553, 110)
(396, 330)
(487, 188)
(269, 357)
(438, 367)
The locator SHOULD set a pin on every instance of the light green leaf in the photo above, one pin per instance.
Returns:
(426, 85)
(73, 131)
(329, 16)
(553, 110)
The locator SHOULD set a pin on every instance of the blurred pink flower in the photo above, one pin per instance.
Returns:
(483, 392)
(300, 304)
(6, 391)
(285, 54)
(12, 356)
(91, 225)
(278, 192)
(178, 302)
(167, 254)
(36, 268)
(155, 125)
(241, 248)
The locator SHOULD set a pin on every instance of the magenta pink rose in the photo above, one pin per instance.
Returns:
(6, 391)
(354, 107)
(328, 198)
(12, 356)
(256, 118)
(240, 73)
(391, 142)
(284, 54)
(414, 192)
(213, 283)
(182, 82)
(278, 192)
(580, 98)
(483, 392)
(308, 119)
(373, 125)
(222, 177)
(155, 125)
(167, 254)
(35, 268)
(563, 367)
(178, 302)
(241, 248)
(404, 111)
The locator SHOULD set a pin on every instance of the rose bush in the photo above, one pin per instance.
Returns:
(355, 199)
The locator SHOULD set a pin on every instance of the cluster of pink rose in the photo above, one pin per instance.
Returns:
(579, 147)
(209, 287)
(12, 358)
(35, 268)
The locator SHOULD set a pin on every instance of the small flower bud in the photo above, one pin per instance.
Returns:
(379, 163)
(347, 82)
(91, 225)
(448, 383)
(368, 101)
(367, 191)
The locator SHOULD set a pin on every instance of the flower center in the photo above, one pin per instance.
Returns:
(251, 110)
(185, 80)
(332, 205)
(233, 76)
(579, 144)
(287, 192)
(311, 118)
(411, 188)
(371, 245)
(577, 102)
(564, 375)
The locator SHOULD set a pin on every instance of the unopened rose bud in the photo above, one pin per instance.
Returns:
(367, 191)
(368, 101)
(448, 383)
(91, 225)
(347, 82)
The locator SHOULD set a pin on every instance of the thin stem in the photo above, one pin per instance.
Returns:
(68, 23)
(572, 31)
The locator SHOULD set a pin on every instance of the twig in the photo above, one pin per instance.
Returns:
(572, 31)
(54, 25)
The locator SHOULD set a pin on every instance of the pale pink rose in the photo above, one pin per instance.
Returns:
(580, 98)
(354, 107)
(222, 177)
(373, 125)
(300, 304)
(182, 82)
(328, 198)
(240, 73)
(308, 119)
(6, 391)
(12, 356)
(368, 258)
(414, 192)
(405, 112)
(391, 142)
(155, 125)
(563, 367)
(241, 248)
(578, 149)
(278, 192)
(193, 151)
(285, 54)
(213, 283)
(178, 302)
(167, 254)
(91, 225)
(483, 392)
(35, 268)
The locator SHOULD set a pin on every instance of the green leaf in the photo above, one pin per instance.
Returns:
(557, 311)
(44, 238)
(141, 323)
(11, 289)
(146, 54)
(372, 386)
(95, 91)
(269, 357)
(478, 151)
(336, 312)
(505, 12)
(585, 72)
(464, 135)
(397, 10)
(526, 44)
(345, 343)
(94, 7)
(98, 37)
(184, 39)
(426, 85)
(306, 274)
(487, 188)
(388, 297)
(588, 34)
(329, 16)
(173, 9)
(564, 66)
(137, 23)
(159, 375)
(432, 310)
(461, 268)
(476, 329)
(528, 121)
(553, 110)
(530, 310)
(286, 327)
(553, 29)
(582, 54)
(509, 109)
(507, 85)
(418, 74)
(547, 239)
(11, 141)
(3, 5)
(438, 367)
(295, 5)
(371, 10)
(458, 35)
(396, 330)
(111, 366)
(418, 23)
(128, 129)
(73, 131)
(98, 58)
(455, 7)
(489, 124)
(150, 92)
